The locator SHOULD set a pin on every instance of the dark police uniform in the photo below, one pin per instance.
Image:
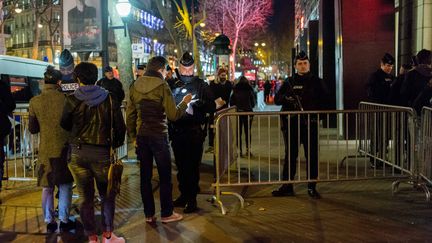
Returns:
(305, 92)
(188, 135)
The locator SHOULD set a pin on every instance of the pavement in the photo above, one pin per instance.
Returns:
(356, 211)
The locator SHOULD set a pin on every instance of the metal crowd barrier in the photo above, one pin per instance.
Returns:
(426, 146)
(22, 147)
(373, 142)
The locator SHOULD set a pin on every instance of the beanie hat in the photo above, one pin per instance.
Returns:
(108, 69)
(66, 65)
(186, 60)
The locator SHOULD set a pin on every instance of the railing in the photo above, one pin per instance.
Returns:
(22, 147)
(373, 142)
(426, 145)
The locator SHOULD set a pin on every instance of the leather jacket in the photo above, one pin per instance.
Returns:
(90, 123)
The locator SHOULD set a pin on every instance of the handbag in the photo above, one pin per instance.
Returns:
(116, 166)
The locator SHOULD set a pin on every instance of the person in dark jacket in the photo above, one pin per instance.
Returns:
(244, 99)
(267, 89)
(188, 133)
(417, 79)
(221, 89)
(378, 90)
(424, 98)
(306, 92)
(395, 97)
(87, 113)
(53, 151)
(378, 85)
(113, 85)
(151, 104)
(7, 105)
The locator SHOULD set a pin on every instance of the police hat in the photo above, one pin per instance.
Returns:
(141, 67)
(388, 59)
(186, 60)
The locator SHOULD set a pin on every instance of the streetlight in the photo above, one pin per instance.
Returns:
(155, 41)
(40, 26)
(123, 8)
(175, 50)
(263, 44)
(256, 44)
(202, 24)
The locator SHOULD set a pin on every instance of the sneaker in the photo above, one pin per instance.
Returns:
(173, 218)
(179, 202)
(70, 225)
(51, 227)
(313, 193)
(150, 220)
(113, 239)
(191, 207)
(284, 191)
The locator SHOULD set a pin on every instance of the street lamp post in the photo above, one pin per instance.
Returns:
(123, 8)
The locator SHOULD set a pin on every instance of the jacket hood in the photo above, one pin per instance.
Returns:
(91, 95)
(148, 82)
(424, 70)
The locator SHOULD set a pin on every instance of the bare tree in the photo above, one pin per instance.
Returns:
(237, 19)
(169, 25)
(53, 22)
(39, 8)
(187, 25)
(6, 12)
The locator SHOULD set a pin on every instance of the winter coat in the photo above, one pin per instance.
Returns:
(114, 86)
(151, 103)
(312, 93)
(243, 97)
(414, 83)
(378, 87)
(45, 111)
(221, 90)
(395, 97)
(87, 113)
(7, 105)
(423, 99)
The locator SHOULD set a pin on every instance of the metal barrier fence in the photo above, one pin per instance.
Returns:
(426, 145)
(373, 142)
(22, 147)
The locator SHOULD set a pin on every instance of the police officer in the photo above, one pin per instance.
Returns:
(188, 134)
(303, 91)
(379, 83)
(378, 91)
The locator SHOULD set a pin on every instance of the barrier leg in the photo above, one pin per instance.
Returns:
(239, 197)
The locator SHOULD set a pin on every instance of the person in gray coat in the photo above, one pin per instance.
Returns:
(52, 167)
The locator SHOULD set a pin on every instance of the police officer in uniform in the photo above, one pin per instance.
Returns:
(301, 92)
(188, 134)
(378, 91)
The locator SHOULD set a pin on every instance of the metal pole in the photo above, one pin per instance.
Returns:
(105, 29)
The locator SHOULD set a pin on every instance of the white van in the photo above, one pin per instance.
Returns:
(25, 76)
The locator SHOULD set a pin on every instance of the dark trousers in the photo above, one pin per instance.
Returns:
(2, 159)
(188, 149)
(309, 139)
(156, 147)
(245, 124)
(90, 164)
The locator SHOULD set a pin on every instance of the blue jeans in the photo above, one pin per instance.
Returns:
(156, 147)
(90, 164)
(64, 202)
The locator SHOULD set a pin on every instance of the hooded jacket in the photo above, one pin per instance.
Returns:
(151, 104)
(87, 113)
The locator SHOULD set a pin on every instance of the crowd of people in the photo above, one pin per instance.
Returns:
(175, 109)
